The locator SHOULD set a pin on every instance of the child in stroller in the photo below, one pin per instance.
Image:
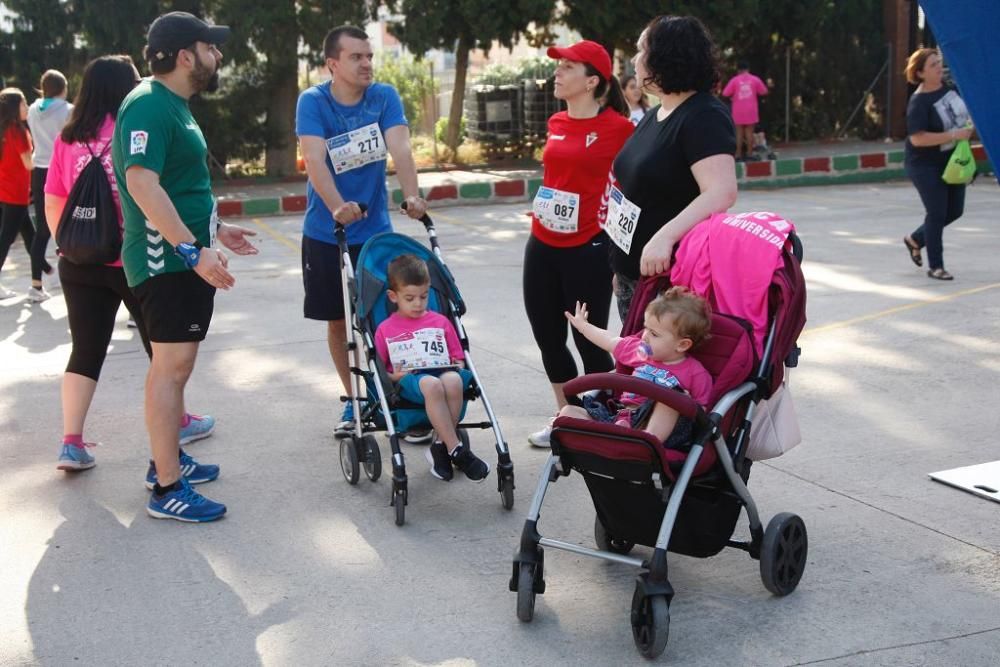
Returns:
(675, 322)
(423, 356)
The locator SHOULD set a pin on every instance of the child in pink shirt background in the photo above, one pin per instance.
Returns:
(422, 352)
(675, 322)
(743, 90)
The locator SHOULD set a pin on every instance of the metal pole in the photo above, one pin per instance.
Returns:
(888, 94)
(788, 93)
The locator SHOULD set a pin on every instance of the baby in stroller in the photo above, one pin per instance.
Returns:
(675, 322)
(422, 354)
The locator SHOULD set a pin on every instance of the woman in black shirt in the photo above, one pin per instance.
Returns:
(935, 118)
(677, 168)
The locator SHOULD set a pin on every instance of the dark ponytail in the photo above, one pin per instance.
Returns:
(615, 97)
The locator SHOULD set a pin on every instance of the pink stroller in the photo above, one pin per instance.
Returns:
(686, 500)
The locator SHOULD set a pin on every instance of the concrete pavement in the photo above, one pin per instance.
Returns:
(898, 378)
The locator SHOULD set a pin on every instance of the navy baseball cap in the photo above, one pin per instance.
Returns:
(172, 32)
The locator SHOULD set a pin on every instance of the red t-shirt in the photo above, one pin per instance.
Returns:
(577, 158)
(15, 180)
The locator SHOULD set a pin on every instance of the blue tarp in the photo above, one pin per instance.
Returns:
(967, 31)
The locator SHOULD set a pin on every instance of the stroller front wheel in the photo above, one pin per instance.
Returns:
(349, 464)
(507, 492)
(650, 623)
(373, 457)
(526, 592)
(783, 553)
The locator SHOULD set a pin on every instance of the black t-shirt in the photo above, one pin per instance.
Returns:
(940, 111)
(653, 169)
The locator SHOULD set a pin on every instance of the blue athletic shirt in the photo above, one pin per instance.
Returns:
(319, 115)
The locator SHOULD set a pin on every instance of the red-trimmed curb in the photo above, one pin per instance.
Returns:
(512, 188)
(757, 169)
(293, 203)
(230, 207)
(979, 153)
(815, 164)
(873, 161)
(443, 192)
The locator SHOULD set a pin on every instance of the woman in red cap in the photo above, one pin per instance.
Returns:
(566, 258)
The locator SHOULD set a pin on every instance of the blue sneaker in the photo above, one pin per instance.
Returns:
(191, 470)
(184, 504)
(346, 425)
(199, 426)
(74, 458)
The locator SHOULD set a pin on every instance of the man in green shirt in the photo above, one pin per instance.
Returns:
(172, 266)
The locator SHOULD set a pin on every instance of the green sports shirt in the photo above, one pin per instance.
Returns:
(155, 130)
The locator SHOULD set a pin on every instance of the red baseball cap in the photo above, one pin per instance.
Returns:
(586, 51)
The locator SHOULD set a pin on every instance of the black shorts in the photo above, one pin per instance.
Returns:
(321, 278)
(177, 307)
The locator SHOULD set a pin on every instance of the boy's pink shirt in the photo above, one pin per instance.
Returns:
(688, 373)
(68, 160)
(397, 324)
(744, 89)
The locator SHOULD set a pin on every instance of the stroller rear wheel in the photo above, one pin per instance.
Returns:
(650, 623)
(507, 492)
(399, 503)
(783, 553)
(349, 459)
(607, 542)
(373, 457)
(526, 592)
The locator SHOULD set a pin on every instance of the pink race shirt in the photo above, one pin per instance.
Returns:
(744, 89)
(687, 374)
(68, 160)
(417, 340)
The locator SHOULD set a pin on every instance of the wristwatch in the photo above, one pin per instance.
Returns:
(189, 252)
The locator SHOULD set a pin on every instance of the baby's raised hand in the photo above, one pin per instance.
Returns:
(579, 318)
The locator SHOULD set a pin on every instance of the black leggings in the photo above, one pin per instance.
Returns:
(554, 280)
(93, 294)
(943, 205)
(13, 219)
(42, 234)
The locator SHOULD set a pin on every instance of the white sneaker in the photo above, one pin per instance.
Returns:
(131, 324)
(6, 293)
(542, 438)
(38, 294)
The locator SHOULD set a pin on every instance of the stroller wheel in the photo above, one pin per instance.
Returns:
(650, 623)
(349, 459)
(783, 553)
(507, 492)
(606, 542)
(399, 503)
(526, 592)
(373, 458)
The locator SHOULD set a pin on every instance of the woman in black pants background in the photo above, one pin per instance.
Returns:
(566, 258)
(936, 117)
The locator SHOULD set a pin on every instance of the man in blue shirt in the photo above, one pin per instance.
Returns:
(346, 129)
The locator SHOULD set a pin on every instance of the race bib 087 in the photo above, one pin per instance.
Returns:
(557, 210)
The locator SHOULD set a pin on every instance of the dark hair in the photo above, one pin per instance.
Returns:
(164, 66)
(615, 99)
(53, 83)
(407, 270)
(331, 45)
(10, 112)
(624, 80)
(106, 82)
(742, 65)
(680, 55)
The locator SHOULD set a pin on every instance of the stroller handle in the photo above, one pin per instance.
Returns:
(426, 219)
(682, 403)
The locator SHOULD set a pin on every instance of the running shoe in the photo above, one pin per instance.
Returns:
(474, 467)
(542, 438)
(74, 458)
(191, 470)
(184, 504)
(346, 425)
(198, 427)
(6, 293)
(38, 294)
(437, 456)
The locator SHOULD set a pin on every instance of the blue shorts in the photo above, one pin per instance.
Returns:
(409, 385)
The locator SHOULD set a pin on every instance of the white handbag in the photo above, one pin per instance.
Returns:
(775, 427)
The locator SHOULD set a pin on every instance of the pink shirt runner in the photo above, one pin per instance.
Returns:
(744, 89)
(396, 327)
(68, 160)
(687, 374)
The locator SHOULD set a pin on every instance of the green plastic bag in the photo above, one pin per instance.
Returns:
(961, 165)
